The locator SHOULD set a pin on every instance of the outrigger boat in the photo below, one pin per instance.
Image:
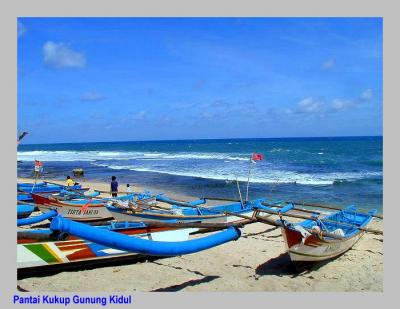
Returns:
(68, 242)
(320, 238)
(80, 209)
(306, 247)
(45, 187)
(185, 213)
(25, 190)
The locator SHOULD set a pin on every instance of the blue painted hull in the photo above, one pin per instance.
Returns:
(43, 187)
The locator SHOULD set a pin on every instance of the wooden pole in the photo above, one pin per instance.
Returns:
(326, 220)
(240, 193)
(221, 199)
(248, 181)
(198, 224)
(227, 213)
(325, 207)
(294, 208)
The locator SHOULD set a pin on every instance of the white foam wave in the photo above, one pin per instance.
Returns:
(273, 176)
(123, 155)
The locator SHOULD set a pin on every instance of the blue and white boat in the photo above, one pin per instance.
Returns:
(215, 214)
(319, 239)
(44, 187)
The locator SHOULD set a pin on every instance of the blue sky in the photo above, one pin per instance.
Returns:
(110, 79)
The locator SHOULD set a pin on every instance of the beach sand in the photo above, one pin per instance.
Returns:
(255, 262)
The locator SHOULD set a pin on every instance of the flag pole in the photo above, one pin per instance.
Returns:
(248, 180)
(240, 193)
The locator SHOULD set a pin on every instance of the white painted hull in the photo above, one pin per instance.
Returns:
(74, 213)
(314, 250)
(140, 218)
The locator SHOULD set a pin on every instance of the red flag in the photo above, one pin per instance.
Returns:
(38, 166)
(86, 206)
(257, 157)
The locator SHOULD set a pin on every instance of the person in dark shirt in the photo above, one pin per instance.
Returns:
(114, 186)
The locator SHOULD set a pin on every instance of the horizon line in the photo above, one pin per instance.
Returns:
(195, 139)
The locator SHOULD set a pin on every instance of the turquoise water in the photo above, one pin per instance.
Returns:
(339, 170)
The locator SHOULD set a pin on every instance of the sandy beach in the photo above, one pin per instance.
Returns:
(255, 262)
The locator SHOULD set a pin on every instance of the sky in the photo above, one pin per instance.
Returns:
(126, 79)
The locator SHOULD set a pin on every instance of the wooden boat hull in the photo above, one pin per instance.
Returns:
(96, 211)
(343, 227)
(214, 215)
(76, 250)
(74, 212)
(314, 249)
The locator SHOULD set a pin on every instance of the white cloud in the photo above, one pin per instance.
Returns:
(59, 55)
(91, 96)
(140, 115)
(21, 29)
(329, 64)
(341, 104)
(366, 95)
(310, 105)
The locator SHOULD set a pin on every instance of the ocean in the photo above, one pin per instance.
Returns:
(334, 170)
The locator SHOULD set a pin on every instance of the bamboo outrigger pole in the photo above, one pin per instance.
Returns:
(248, 180)
(240, 193)
(365, 229)
(324, 207)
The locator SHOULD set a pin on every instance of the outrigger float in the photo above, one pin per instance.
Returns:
(319, 238)
(67, 242)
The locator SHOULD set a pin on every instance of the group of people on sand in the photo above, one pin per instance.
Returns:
(114, 185)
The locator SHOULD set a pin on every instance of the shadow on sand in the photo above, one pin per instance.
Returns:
(178, 287)
(283, 266)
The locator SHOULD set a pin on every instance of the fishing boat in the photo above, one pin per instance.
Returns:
(319, 239)
(45, 187)
(67, 243)
(188, 213)
(83, 208)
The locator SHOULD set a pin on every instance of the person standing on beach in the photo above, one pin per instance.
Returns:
(128, 189)
(114, 186)
(70, 182)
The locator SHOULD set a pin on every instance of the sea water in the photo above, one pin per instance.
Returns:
(336, 170)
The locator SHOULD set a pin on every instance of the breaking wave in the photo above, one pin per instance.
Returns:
(272, 176)
(52, 156)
